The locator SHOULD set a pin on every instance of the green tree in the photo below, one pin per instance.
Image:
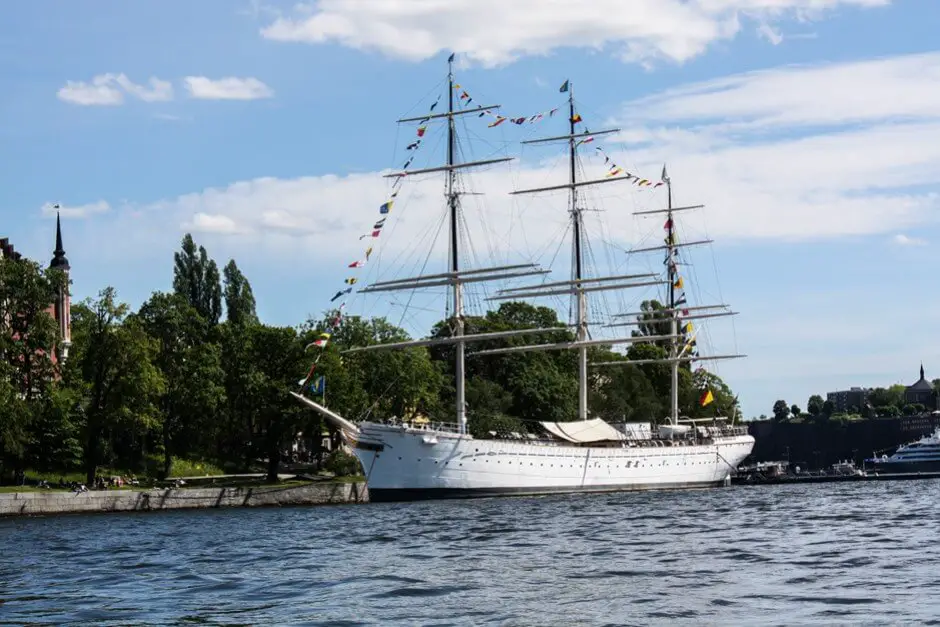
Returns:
(276, 357)
(828, 409)
(28, 336)
(192, 370)
(239, 299)
(196, 278)
(795, 410)
(814, 405)
(781, 411)
(112, 372)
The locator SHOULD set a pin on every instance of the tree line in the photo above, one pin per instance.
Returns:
(193, 374)
(886, 402)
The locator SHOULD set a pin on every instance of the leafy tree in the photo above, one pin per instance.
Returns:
(814, 405)
(196, 278)
(889, 411)
(795, 410)
(239, 299)
(28, 335)
(192, 370)
(828, 409)
(781, 411)
(276, 355)
(111, 370)
(382, 383)
(540, 382)
(237, 426)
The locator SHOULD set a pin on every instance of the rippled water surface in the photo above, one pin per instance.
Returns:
(780, 555)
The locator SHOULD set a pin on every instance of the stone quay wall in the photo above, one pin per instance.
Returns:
(52, 502)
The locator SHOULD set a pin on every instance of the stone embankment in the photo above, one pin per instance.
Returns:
(52, 502)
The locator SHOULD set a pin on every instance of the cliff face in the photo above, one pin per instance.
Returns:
(819, 444)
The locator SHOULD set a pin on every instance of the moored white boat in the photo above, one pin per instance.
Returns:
(407, 462)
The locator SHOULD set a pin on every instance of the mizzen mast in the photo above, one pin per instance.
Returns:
(679, 352)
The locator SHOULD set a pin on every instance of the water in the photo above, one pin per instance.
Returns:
(784, 555)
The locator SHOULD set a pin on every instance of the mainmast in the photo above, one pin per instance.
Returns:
(581, 307)
(579, 286)
(453, 202)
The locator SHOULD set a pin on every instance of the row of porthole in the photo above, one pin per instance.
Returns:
(567, 456)
(596, 465)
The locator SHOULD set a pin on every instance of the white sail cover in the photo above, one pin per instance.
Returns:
(583, 431)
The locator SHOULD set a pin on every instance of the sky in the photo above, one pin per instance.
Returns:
(809, 129)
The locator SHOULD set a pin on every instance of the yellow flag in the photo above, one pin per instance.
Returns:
(678, 284)
(706, 398)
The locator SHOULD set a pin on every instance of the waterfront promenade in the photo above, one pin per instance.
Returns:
(93, 501)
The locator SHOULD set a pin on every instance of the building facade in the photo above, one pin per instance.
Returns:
(848, 400)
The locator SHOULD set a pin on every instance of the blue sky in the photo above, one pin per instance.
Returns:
(810, 129)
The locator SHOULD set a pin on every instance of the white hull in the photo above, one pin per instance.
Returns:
(407, 463)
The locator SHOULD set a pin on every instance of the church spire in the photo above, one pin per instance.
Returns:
(58, 256)
(921, 371)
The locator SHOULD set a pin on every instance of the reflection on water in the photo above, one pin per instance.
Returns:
(776, 555)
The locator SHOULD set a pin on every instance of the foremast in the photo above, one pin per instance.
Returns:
(456, 276)
(578, 259)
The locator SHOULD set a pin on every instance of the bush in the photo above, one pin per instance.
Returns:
(342, 464)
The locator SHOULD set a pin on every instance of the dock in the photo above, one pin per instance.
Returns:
(755, 479)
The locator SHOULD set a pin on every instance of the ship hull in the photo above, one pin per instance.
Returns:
(412, 464)
(889, 468)
(385, 495)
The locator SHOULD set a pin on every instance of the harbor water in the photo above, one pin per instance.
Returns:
(755, 555)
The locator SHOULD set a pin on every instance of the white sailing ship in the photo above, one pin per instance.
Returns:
(406, 460)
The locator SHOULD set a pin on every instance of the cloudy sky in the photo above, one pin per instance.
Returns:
(809, 129)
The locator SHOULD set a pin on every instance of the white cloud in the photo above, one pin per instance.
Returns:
(100, 91)
(766, 31)
(109, 89)
(77, 211)
(494, 32)
(904, 240)
(211, 223)
(895, 88)
(230, 88)
(158, 91)
(813, 183)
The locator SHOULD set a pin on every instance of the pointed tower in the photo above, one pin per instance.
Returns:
(922, 371)
(62, 311)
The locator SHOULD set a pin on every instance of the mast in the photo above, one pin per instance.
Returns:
(673, 312)
(581, 296)
(453, 202)
(456, 276)
(579, 286)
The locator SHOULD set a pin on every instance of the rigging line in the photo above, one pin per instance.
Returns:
(402, 204)
(439, 85)
(412, 292)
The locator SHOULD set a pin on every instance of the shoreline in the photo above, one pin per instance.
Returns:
(162, 499)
